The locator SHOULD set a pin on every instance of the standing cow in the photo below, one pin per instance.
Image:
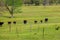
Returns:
(25, 21)
(46, 20)
(1, 23)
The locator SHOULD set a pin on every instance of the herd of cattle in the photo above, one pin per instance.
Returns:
(25, 22)
(1, 23)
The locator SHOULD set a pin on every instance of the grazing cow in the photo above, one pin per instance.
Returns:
(14, 22)
(25, 21)
(1, 23)
(9, 22)
(46, 19)
(35, 22)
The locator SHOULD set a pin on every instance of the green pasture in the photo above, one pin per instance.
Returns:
(31, 31)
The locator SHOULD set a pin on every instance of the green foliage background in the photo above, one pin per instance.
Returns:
(16, 2)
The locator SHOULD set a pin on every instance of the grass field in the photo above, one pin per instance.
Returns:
(31, 31)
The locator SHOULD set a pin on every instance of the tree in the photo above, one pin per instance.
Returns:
(12, 5)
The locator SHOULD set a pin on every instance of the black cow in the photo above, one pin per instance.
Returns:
(14, 22)
(25, 21)
(1, 23)
(46, 19)
(9, 22)
(35, 22)
(41, 21)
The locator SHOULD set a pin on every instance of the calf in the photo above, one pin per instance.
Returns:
(1, 23)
